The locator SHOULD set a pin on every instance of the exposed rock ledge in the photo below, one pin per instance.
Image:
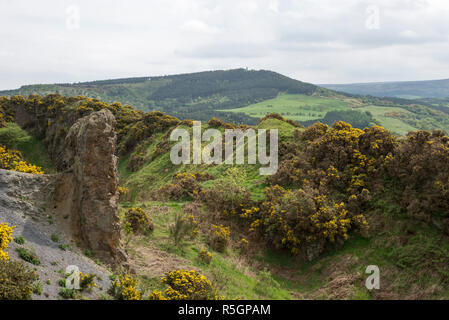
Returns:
(84, 198)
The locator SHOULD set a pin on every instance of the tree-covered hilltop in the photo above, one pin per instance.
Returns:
(186, 96)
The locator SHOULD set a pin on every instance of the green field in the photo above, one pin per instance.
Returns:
(399, 120)
(394, 124)
(294, 106)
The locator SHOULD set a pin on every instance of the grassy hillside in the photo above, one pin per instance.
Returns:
(398, 117)
(402, 89)
(411, 253)
(294, 106)
(342, 199)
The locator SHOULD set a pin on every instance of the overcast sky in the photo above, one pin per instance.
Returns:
(318, 41)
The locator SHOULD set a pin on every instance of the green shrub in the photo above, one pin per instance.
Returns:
(28, 256)
(13, 136)
(88, 253)
(17, 281)
(219, 237)
(19, 240)
(68, 293)
(87, 281)
(184, 226)
(418, 170)
(62, 282)
(37, 288)
(243, 245)
(136, 161)
(139, 220)
(266, 283)
(184, 186)
(204, 256)
(216, 123)
(227, 195)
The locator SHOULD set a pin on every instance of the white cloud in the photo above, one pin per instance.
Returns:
(409, 34)
(312, 40)
(198, 26)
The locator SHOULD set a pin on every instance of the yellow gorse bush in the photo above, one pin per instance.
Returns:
(303, 219)
(205, 256)
(5, 238)
(222, 232)
(138, 219)
(243, 245)
(194, 223)
(186, 285)
(123, 192)
(16, 280)
(219, 237)
(125, 288)
(13, 160)
(87, 281)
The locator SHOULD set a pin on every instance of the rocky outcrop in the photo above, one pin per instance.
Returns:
(24, 203)
(87, 191)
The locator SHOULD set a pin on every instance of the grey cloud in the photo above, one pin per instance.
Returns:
(226, 51)
(312, 40)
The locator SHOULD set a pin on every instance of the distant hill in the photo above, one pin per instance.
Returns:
(245, 96)
(186, 96)
(402, 89)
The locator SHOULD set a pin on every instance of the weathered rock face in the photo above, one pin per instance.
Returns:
(87, 192)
